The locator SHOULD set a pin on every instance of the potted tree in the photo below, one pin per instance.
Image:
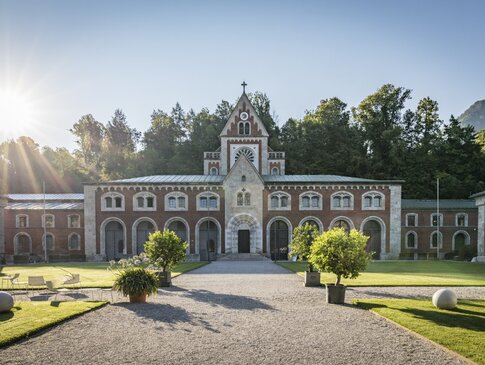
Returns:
(137, 283)
(165, 250)
(303, 237)
(341, 253)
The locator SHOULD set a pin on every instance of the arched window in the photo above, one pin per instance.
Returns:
(213, 171)
(435, 218)
(48, 221)
(207, 201)
(74, 221)
(114, 237)
(342, 224)
(22, 244)
(279, 240)
(74, 242)
(241, 127)
(239, 199)
(275, 171)
(279, 201)
(143, 229)
(49, 241)
(112, 201)
(176, 201)
(243, 178)
(22, 221)
(435, 238)
(245, 151)
(247, 199)
(342, 201)
(460, 240)
(247, 129)
(461, 220)
(144, 201)
(373, 200)
(411, 240)
(310, 201)
(179, 228)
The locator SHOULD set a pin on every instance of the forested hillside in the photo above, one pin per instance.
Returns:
(380, 138)
(474, 115)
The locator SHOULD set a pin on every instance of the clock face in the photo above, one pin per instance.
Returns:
(244, 116)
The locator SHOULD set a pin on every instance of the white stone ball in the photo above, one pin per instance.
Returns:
(445, 299)
(6, 301)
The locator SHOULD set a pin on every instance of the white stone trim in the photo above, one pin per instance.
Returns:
(90, 231)
(394, 223)
(343, 218)
(113, 195)
(187, 228)
(44, 216)
(208, 194)
(372, 195)
(441, 223)
(342, 194)
(255, 233)
(176, 195)
(268, 232)
(312, 218)
(279, 194)
(219, 234)
(310, 194)
(466, 219)
(134, 232)
(44, 240)
(69, 241)
(415, 219)
(15, 242)
(17, 220)
(415, 240)
(440, 239)
(69, 220)
(144, 195)
(102, 235)
(467, 238)
(379, 220)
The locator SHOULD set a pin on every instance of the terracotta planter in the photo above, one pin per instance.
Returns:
(312, 278)
(141, 298)
(335, 293)
(164, 279)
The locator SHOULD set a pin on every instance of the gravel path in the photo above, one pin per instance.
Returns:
(235, 313)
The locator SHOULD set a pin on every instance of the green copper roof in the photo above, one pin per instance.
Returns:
(444, 204)
(322, 179)
(173, 179)
(482, 193)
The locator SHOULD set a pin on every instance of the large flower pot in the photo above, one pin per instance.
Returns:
(165, 278)
(335, 293)
(312, 278)
(141, 298)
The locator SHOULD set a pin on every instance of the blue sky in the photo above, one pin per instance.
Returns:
(69, 58)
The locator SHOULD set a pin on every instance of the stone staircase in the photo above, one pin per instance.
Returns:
(242, 257)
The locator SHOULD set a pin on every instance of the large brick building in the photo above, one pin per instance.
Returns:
(244, 203)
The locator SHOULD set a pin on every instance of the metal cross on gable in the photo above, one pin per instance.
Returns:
(244, 86)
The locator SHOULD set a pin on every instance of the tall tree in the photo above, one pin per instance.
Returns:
(262, 105)
(89, 133)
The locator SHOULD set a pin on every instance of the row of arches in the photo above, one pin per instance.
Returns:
(208, 235)
(458, 241)
(22, 243)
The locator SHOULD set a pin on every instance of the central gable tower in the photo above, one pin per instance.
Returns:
(244, 135)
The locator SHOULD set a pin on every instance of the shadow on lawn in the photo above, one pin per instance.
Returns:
(228, 301)
(460, 318)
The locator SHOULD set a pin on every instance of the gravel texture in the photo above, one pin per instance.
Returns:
(236, 313)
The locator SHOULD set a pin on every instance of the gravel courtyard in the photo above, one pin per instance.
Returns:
(235, 312)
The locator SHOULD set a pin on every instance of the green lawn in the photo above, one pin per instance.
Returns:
(408, 273)
(26, 318)
(93, 274)
(461, 329)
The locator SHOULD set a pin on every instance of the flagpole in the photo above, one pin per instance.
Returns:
(45, 226)
(438, 220)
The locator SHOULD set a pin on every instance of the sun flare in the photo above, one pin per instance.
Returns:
(16, 110)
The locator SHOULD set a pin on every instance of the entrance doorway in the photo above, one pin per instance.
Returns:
(243, 241)
(373, 229)
(114, 243)
(278, 240)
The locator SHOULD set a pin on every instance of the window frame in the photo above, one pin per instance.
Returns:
(373, 195)
(176, 195)
(44, 216)
(439, 239)
(145, 195)
(209, 196)
(17, 220)
(69, 241)
(465, 216)
(310, 195)
(69, 221)
(113, 195)
(415, 215)
(440, 223)
(341, 195)
(44, 241)
(413, 233)
(279, 195)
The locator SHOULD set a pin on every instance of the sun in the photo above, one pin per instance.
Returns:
(17, 112)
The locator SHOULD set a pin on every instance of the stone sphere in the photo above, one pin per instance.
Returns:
(445, 299)
(6, 301)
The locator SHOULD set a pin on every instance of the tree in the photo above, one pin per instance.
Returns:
(262, 105)
(340, 253)
(165, 249)
(303, 237)
(89, 133)
(380, 117)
